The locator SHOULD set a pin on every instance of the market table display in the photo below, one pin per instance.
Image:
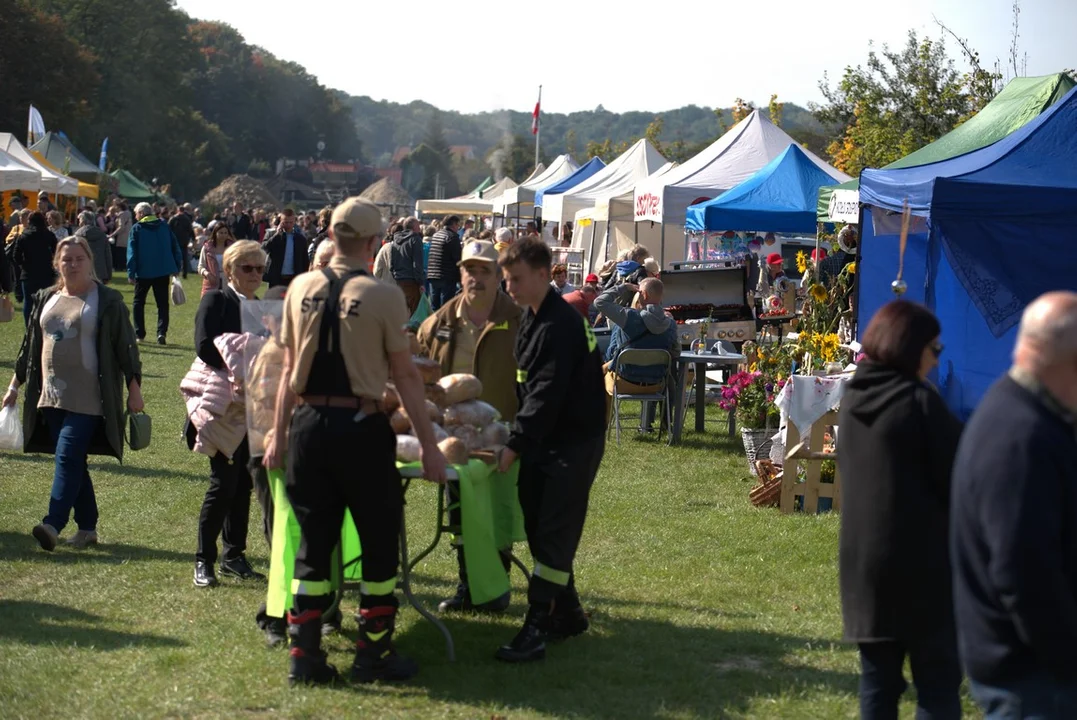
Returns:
(700, 361)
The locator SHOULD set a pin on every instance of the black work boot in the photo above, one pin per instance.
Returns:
(530, 643)
(567, 619)
(307, 665)
(461, 601)
(375, 656)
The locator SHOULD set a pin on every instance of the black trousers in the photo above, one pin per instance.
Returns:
(936, 672)
(226, 508)
(554, 487)
(335, 463)
(119, 258)
(160, 287)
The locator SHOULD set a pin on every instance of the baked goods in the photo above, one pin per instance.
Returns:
(460, 387)
(454, 450)
(475, 413)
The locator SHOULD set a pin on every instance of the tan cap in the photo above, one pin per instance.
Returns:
(478, 250)
(356, 218)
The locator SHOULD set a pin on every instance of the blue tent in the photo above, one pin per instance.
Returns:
(585, 171)
(781, 197)
(994, 229)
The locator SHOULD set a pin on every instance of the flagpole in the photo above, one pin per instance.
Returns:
(538, 127)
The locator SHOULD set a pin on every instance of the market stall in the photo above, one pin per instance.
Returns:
(737, 155)
(477, 202)
(991, 231)
(519, 201)
(14, 175)
(130, 187)
(58, 150)
(51, 181)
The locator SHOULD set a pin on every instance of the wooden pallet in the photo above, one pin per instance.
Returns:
(809, 454)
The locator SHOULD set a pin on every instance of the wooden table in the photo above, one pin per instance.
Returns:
(700, 361)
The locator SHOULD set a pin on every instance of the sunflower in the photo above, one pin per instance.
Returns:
(851, 268)
(829, 347)
(818, 293)
(802, 261)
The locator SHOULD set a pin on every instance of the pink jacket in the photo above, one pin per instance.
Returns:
(215, 399)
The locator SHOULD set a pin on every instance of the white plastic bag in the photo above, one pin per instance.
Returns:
(179, 295)
(10, 429)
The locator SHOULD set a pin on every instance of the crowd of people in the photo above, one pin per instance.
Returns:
(958, 546)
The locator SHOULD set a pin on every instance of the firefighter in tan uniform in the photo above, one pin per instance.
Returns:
(344, 336)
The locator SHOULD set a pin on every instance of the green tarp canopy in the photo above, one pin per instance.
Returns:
(59, 151)
(131, 187)
(1022, 100)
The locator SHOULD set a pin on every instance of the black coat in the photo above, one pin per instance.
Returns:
(218, 313)
(274, 247)
(243, 228)
(896, 447)
(33, 252)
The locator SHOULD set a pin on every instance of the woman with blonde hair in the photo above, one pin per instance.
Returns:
(56, 224)
(226, 507)
(211, 258)
(78, 353)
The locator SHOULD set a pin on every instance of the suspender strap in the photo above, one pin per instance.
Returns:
(329, 331)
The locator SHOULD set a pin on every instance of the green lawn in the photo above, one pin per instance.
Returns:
(703, 607)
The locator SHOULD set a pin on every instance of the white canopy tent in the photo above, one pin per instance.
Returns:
(480, 203)
(51, 182)
(14, 175)
(617, 178)
(609, 227)
(516, 199)
(731, 159)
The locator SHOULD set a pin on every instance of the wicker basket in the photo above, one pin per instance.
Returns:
(768, 493)
(756, 445)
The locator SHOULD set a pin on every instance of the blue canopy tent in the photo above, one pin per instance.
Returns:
(585, 171)
(994, 229)
(781, 197)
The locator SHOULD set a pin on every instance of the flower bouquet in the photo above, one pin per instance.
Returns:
(750, 396)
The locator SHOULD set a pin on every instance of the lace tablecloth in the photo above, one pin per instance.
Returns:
(806, 398)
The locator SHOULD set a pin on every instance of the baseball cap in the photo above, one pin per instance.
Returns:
(591, 279)
(480, 250)
(355, 218)
(775, 259)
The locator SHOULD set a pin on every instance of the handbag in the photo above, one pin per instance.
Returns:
(7, 310)
(139, 429)
(179, 295)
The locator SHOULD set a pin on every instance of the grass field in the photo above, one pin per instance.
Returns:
(702, 606)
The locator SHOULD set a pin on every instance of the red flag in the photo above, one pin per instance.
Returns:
(535, 117)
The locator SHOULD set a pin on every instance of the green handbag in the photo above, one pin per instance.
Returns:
(139, 429)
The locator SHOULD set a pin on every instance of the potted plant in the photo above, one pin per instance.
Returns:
(750, 395)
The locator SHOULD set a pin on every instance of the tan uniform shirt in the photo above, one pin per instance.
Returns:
(373, 316)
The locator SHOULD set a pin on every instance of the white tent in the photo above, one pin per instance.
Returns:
(480, 203)
(731, 159)
(51, 182)
(513, 200)
(609, 227)
(14, 175)
(617, 178)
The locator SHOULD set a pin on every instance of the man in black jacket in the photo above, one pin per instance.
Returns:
(1014, 525)
(406, 262)
(241, 224)
(287, 250)
(182, 227)
(442, 268)
(559, 437)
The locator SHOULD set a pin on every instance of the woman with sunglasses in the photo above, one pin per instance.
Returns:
(226, 507)
(896, 447)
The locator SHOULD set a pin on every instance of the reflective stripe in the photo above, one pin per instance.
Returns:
(374, 637)
(592, 341)
(385, 587)
(521, 376)
(312, 588)
(456, 540)
(501, 326)
(557, 577)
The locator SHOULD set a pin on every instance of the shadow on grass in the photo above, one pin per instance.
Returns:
(20, 546)
(127, 470)
(626, 668)
(37, 623)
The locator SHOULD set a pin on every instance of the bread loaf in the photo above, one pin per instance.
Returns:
(399, 421)
(389, 399)
(407, 448)
(440, 433)
(454, 450)
(436, 394)
(469, 435)
(475, 413)
(494, 435)
(428, 369)
(460, 387)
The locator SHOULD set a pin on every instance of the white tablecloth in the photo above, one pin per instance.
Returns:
(806, 398)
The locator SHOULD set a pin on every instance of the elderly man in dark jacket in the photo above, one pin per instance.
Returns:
(98, 242)
(1014, 525)
(286, 247)
(153, 257)
(406, 262)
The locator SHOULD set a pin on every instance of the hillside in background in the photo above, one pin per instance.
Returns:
(384, 126)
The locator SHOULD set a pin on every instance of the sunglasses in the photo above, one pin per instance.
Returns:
(936, 349)
(260, 269)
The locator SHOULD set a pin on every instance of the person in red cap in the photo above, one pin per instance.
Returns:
(767, 277)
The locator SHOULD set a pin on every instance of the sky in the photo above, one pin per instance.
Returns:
(477, 55)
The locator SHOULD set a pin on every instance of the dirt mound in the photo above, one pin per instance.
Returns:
(243, 188)
(387, 192)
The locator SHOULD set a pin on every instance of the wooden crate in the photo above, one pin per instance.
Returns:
(811, 456)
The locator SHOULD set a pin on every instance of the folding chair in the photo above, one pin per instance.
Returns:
(642, 358)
